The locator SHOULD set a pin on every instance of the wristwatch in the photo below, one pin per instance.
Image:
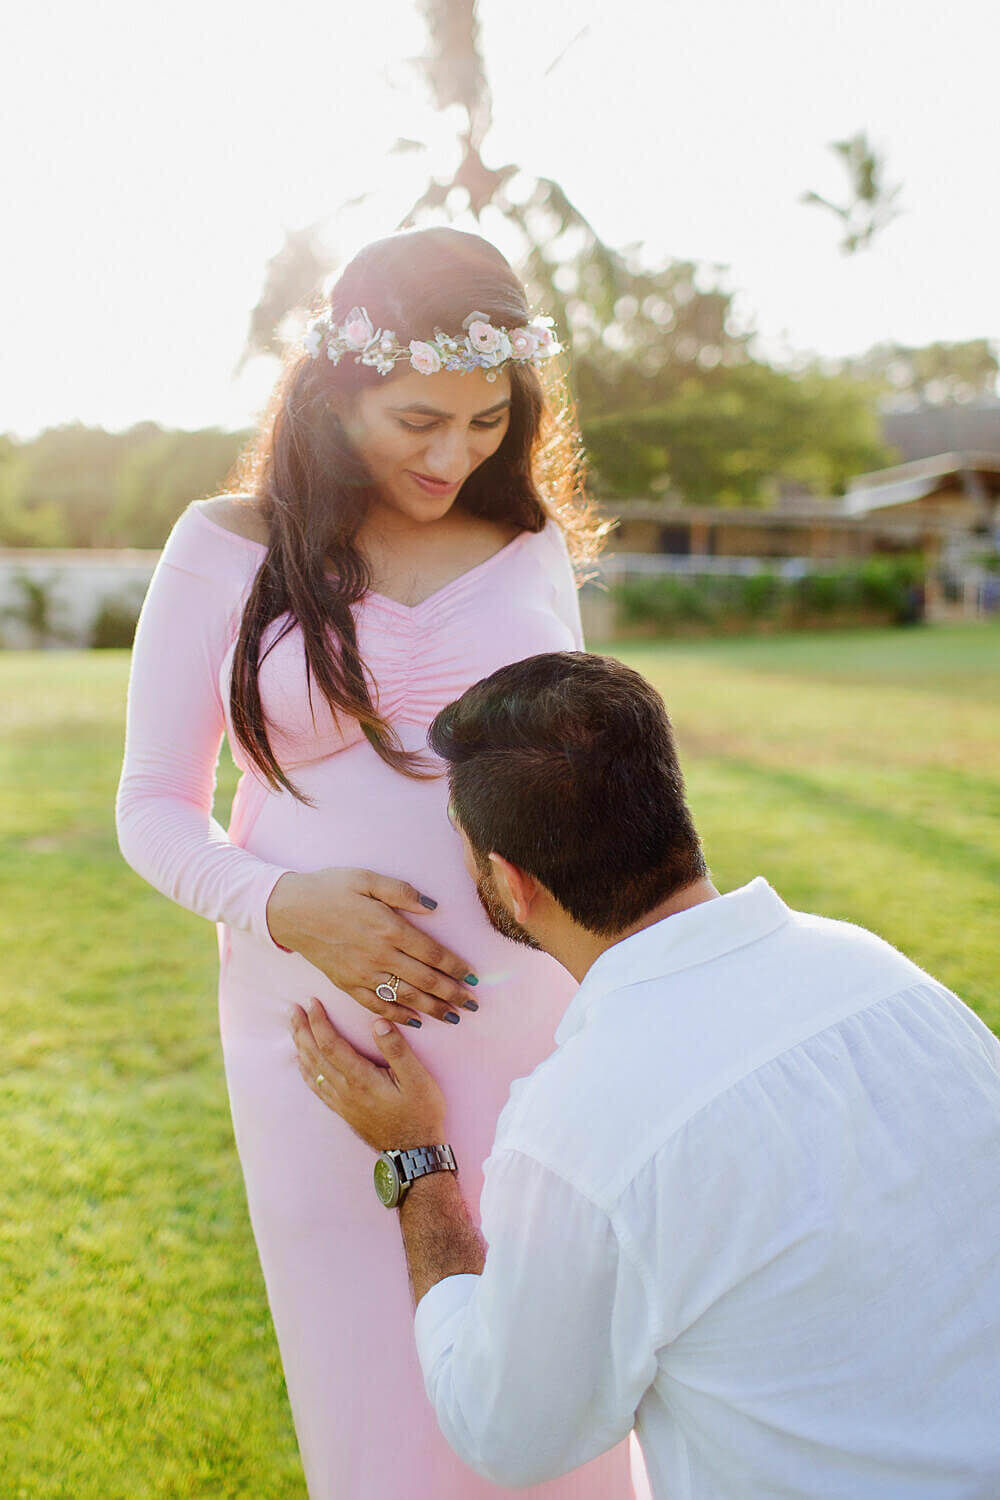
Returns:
(395, 1170)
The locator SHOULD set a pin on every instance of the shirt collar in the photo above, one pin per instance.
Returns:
(691, 937)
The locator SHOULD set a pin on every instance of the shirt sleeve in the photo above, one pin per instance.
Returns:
(567, 599)
(538, 1365)
(174, 730)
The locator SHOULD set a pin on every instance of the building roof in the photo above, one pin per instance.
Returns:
(925, 430)
(976, 474)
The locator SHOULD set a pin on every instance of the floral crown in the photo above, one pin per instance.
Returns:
(482, 347)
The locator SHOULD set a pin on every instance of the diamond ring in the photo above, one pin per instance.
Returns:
(387, 991)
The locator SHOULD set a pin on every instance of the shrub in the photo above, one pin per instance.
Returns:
(114, 623)
(890, 587)
(761, 594)
(37, 610)
(892, 584)
(822, 593)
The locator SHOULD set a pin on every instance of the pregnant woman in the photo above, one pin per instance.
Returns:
(400, 531)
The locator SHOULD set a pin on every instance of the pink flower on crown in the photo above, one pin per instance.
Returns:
(424, 357)
(357, 330)
(484, 338)
(523, 343)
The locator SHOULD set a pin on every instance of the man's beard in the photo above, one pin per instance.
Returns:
(499, 916)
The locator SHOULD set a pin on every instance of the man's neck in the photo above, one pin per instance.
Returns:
(577, 949)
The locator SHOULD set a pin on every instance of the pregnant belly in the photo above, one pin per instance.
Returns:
(367, 815)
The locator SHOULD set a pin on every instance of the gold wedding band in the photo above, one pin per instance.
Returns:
(387, 991)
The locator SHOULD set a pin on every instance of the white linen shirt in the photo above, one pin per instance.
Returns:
(751, 1205)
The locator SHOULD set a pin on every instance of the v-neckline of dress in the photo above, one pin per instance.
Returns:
(407, 609)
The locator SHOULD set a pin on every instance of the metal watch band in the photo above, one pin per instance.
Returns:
(423, 1159)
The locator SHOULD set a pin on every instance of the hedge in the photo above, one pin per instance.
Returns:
(880, 588)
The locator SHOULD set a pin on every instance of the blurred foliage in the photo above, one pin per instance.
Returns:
(36, 609)
(77, 486)
(871, 205)
(160, 477)
(291, 279)
(731, 436)
(114, 623)
(936, 373)
(880, 588)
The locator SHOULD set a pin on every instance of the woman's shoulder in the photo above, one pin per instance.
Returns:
(205, 543)
(238, 514)
(553, 537)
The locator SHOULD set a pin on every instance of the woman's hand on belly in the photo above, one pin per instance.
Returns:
(347, 923)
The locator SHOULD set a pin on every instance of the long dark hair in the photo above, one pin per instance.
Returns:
(314, 490)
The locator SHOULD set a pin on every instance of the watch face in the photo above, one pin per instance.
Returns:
(386, 1181)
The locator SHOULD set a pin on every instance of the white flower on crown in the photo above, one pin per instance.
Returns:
(313, 337)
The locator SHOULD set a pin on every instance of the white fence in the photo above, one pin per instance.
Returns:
(619, 567)
(64, 591)
(70, 588)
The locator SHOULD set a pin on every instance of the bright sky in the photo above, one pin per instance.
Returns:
(152, 157)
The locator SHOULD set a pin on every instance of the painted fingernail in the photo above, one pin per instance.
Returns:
(414, 1022)
(428, 902)
(470, 1005)
(453, 1017)
(470, 979)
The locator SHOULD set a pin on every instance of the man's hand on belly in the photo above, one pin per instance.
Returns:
(391, 1108)
(394, 1108)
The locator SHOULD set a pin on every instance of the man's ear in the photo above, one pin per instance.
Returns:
(518, 889)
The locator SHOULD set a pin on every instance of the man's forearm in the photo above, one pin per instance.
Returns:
(439, 1236)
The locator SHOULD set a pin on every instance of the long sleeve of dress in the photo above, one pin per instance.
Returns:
(174, 731)
(566, 600)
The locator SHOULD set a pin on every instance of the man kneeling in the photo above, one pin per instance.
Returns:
(751, 1202)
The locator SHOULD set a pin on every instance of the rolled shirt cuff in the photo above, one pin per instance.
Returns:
(438, 1318)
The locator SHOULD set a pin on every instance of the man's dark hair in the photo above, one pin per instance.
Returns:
(565, 765)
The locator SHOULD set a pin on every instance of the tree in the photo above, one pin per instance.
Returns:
(872, 203)
(291, 278)
(162, 476)
(938, 374)
(21, 523)
(76, 486)
(60, 488)
(629, 325)
(731, 439)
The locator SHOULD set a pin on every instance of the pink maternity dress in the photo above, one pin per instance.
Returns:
(332, 1256)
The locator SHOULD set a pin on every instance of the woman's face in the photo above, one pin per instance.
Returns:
(434, 427)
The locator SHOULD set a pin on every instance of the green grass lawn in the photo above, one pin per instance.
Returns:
(859, 772)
